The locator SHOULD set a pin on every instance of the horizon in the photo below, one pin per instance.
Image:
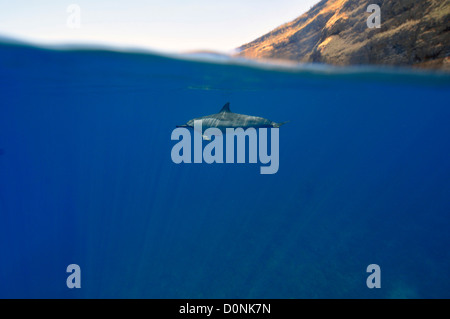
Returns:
(169, 26)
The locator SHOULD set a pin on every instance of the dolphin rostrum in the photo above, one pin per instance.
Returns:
(227, 119)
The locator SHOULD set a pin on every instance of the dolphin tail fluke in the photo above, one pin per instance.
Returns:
(277, 125)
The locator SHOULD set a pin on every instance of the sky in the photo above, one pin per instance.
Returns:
(167, 25)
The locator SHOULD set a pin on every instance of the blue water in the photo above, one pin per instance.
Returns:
(86, 177)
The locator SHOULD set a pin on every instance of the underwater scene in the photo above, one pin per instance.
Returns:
(87, 178)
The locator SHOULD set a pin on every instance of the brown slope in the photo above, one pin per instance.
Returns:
(413, 32)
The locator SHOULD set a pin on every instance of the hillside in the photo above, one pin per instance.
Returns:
(412, 33)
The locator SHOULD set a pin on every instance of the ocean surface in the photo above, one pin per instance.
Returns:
(86, 178)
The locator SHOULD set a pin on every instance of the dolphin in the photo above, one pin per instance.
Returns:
(227, 119)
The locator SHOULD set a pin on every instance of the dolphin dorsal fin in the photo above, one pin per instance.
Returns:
(226, 108)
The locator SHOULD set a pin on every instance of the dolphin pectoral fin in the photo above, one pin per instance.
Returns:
(277, 125)
(206, 137)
